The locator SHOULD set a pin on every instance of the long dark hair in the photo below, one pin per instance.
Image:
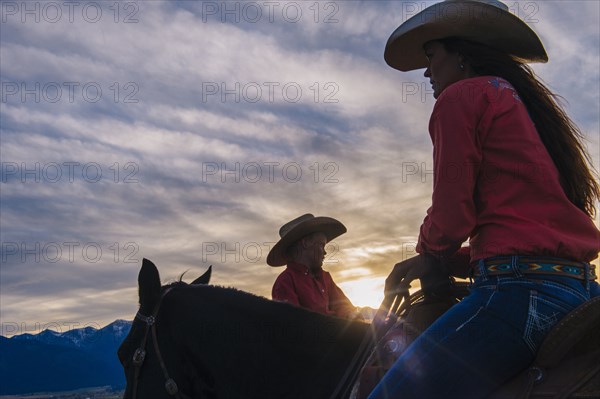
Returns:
(561, 137)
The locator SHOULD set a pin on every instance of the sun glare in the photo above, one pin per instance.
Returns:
(365, 291)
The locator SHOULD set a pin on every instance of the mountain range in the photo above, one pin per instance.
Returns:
(52, 361)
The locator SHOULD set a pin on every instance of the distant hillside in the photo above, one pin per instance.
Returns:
(51, 361)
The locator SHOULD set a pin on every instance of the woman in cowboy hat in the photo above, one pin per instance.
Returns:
(511, 176)
(304, 283)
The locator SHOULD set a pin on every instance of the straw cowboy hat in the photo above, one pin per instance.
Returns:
(483, 21)
(301, 227)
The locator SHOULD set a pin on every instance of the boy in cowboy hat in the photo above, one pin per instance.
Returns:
(524, 198)
(304, 283)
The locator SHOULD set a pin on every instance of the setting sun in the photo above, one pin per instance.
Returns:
(365, 291)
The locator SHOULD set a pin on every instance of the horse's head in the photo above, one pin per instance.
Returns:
(147, 354)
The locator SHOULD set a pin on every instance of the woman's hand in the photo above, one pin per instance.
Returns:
(427, 268)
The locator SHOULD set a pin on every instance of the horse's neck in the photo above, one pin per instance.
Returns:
(244, 344)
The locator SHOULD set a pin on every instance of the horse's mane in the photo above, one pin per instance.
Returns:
(198, 294)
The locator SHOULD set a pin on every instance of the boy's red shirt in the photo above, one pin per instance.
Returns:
(295, 285)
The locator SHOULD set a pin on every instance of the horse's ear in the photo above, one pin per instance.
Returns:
(205, 278)
(149, 286)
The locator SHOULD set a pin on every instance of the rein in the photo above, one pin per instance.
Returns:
(345, 385)
(383, 321)
(374, 352)
(140, 353)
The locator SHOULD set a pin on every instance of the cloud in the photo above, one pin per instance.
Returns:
(173, 131)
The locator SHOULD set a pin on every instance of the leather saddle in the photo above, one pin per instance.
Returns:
(567, 364)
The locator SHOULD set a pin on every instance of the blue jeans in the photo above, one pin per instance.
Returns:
(483, 341)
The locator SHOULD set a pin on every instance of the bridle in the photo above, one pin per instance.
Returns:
(140, 353)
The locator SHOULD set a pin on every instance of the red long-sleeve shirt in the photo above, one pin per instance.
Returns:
(297, 286)
(495, 183)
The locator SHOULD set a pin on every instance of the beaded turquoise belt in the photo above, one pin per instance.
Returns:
(531, 265)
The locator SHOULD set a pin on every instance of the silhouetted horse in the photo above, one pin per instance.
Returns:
(214, 342)
(223, 343)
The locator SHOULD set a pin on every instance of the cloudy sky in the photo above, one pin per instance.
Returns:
(189, 132)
